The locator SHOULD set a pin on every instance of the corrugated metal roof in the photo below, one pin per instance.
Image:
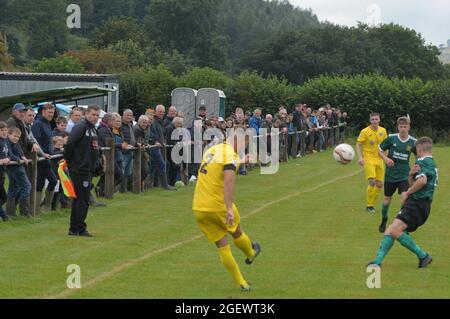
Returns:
(60, 95)
(27, 74)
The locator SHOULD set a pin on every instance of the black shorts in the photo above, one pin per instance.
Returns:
(391, 187)
(414, 213)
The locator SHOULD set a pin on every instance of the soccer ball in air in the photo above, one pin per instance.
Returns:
(344, 153)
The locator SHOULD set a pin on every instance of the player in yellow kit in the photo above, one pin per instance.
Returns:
(214, 210)
(370, 138)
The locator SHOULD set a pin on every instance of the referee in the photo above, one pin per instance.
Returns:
(82, 155)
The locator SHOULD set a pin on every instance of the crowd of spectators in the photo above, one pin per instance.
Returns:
(47, 134)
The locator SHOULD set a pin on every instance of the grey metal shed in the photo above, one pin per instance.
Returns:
(16, 83)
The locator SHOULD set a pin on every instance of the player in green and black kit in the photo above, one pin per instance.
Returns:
(423, 179)
(399, 147)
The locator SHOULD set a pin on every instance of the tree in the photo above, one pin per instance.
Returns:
(60, 64)
(250, 90)
(44, 23)
(142, 88)
(117, 29)
(185, 26)
(101, 60)
(199, 78)
(105, 9)
(176, 62)
(390, 49)
(135, 55)
(5, 59)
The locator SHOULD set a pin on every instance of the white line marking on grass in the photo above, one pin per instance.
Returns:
(136, 261)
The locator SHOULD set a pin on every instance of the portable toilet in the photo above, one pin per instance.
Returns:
(184, 99)
(213, 100)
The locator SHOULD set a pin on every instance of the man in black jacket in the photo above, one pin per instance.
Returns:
(158, 163)
(171, 114)
(82, 154)
(42, 132)
(129, 138)
(298, 121)
(27, 143)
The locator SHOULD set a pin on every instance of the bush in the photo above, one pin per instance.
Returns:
(199, 78)
(101, 60)
(427, 103)
(60, 64)
(147, 87)
(250, 90)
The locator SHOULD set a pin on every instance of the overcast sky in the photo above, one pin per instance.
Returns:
(431, 18)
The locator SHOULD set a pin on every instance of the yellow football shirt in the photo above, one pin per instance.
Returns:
(370, 141)
(209, 196)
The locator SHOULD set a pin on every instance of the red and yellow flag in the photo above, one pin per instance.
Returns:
(66, 183)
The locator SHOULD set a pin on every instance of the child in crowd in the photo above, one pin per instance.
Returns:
(58, 148)
(19, 184)
(4, 159)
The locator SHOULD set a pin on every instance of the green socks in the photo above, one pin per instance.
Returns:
(386, 245)
(384, 211)
(409, 243)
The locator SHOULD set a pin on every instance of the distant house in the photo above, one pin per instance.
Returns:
(16, 83)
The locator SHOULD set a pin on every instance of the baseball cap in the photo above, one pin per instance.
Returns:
(221, 119)
(19, 107)
(202, 108)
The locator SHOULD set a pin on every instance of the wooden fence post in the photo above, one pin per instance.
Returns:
(33, 204)
(137, 177)
(109, 168)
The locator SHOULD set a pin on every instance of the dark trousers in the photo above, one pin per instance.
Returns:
(157, 163)
(45, 172)
(173, 170)
(3, 196)
(80, 205)
(19, 184)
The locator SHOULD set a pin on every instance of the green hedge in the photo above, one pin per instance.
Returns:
(427, 103)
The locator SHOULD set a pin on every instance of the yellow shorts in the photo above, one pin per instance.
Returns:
(375, 171)
(213, 224)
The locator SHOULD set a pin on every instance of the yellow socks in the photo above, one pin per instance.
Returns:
(227, 259)
(244, 244)
(370, 190)
(375, 194)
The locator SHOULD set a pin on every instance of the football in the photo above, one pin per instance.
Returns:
(344, 154)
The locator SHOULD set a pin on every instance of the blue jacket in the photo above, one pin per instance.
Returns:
(255, 123)
(4, 151)
(43, 133)
(118, 139)
(14, 151)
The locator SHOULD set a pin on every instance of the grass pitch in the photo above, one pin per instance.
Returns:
(309, 218)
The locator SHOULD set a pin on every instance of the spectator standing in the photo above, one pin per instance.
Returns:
(74, 117)
(60, 129)
(158, 164)
(173, 169)
(128, 155)
(19, 185)
(42, 132)
(26, 143)
(171, 114)
(4, 160)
